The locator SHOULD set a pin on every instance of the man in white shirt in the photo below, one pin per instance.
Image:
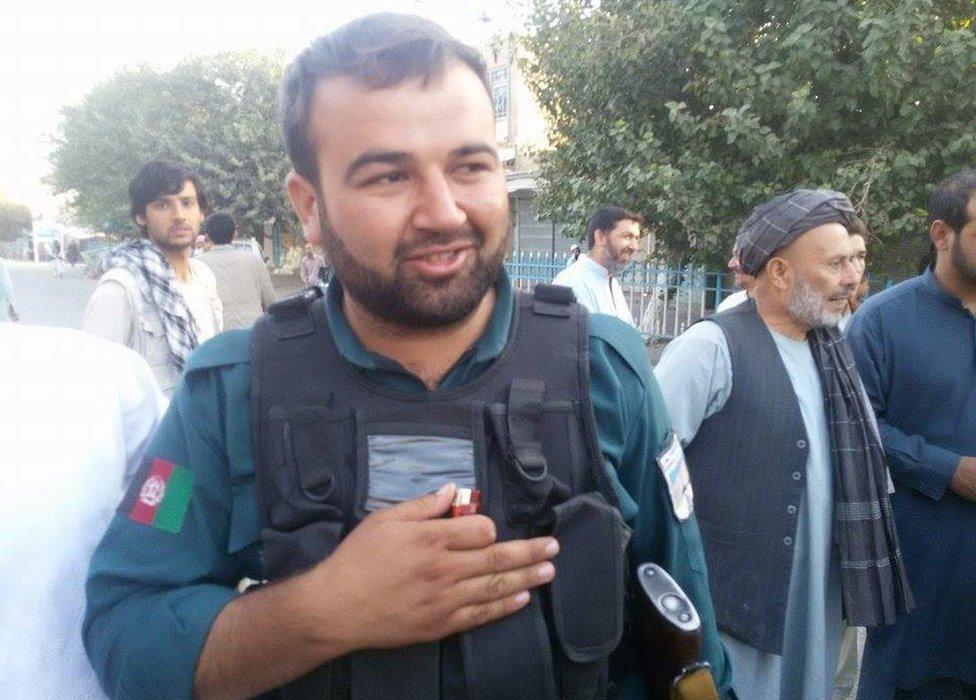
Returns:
(612, 236)
(76, 416)
(153, 297)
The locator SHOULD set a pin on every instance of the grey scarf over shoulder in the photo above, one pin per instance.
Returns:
(875, 586)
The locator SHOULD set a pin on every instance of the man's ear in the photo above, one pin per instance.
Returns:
(779, 272)
(599, 238)
(140, 220)
(304, 200)
(941, 234)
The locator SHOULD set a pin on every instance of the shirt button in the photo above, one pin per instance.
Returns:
(787, 540)
(802, 444)
(791, 509)
(797, 476)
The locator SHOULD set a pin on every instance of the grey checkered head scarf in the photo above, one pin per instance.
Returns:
(783, 219)
(157, 283)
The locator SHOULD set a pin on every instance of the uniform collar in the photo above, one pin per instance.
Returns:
(488, 347)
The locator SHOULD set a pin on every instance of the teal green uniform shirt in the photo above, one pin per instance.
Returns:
(153, 594)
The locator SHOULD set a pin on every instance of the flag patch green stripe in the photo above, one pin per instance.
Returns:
(172, 510)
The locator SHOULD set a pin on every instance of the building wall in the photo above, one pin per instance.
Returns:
(532, 234)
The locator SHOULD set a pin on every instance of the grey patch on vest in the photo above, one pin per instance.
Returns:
(402, 467)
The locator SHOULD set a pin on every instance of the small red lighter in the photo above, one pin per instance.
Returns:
(466, 502)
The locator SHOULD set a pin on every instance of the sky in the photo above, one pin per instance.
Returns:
(53, 53)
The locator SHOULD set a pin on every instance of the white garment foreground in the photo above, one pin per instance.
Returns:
(596, 289)
(76, 414)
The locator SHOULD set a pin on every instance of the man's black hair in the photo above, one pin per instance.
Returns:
(605, 218)
(950, 197)
(220, 227)
(379, 51)
(158, 178)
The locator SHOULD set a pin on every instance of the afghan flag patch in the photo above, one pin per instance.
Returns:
(163, 497)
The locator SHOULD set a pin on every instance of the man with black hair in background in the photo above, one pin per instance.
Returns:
(914, 345)
(612, 236)
(153, 297)
(243, 281)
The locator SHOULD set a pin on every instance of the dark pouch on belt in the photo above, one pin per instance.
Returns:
(588, 592)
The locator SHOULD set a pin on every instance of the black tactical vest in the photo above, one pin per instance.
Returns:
(527, 427)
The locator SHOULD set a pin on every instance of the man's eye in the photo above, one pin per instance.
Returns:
(386, 178)
(472, 168)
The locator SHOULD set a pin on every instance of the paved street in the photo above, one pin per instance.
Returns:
(45, 300)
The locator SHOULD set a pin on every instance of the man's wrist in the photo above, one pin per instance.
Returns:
(325, 623)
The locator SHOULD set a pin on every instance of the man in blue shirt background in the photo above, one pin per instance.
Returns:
(915, 346)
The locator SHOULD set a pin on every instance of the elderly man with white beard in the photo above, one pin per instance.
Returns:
(791, 487)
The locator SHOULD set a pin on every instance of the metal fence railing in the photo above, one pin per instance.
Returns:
(664, 299)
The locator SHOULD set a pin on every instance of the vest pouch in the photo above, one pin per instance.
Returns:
(588, 593)
(287, 553)
(301, 489)
(531, 483)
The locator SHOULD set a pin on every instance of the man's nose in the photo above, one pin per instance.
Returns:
(437, 207)
(851, 276)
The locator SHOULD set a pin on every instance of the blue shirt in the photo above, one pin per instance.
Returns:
(153, 594)
(915, 347)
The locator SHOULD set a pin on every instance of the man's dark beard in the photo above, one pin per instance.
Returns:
(964, 268)
(408, 301)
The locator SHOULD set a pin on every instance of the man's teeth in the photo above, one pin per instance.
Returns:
(439, 257)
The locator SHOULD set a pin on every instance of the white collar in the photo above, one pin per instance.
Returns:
(593, 266)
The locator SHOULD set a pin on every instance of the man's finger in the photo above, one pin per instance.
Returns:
(473, 616)
(469, 532)
(430, 505)
(505, 556)
(500, 586)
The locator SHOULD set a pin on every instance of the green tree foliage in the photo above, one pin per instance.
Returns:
(216, 115)
(14, 219)
(694, 111)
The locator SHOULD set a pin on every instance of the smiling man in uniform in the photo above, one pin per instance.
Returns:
(318, 453)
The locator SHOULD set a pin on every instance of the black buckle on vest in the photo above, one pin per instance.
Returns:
(524, 409)
(552, 300)
(292, 316)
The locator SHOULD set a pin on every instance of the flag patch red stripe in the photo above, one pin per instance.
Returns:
(151, 493)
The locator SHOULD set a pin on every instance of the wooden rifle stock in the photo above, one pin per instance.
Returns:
(672, 639)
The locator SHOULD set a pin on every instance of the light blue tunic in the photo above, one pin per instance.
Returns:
(695, 375)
